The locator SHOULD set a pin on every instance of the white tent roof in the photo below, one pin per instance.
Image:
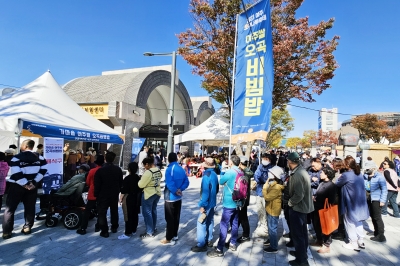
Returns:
(212, 132)
(44, 101)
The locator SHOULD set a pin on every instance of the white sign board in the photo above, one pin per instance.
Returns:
(53, 153)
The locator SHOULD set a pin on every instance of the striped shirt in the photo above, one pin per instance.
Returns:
(27, 166)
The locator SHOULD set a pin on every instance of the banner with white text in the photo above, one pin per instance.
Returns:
(254, 75)
(53, 153)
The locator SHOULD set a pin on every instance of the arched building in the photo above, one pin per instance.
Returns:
(136, 103)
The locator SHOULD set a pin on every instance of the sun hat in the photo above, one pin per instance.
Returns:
(208, 163)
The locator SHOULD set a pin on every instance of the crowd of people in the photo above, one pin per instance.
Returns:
(282, 181)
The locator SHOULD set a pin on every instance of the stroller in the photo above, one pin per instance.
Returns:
(67, 208)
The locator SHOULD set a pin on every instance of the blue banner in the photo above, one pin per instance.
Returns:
(254, 75)
(44, 130)
(137, 144)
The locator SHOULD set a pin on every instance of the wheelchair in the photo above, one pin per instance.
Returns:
(68, 209)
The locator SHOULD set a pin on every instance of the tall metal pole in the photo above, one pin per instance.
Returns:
(171, 106)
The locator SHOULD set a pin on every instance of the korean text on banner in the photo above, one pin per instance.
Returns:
(254, 73)
(53, 153)
(137, 144)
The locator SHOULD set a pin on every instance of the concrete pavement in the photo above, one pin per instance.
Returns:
(59, 246)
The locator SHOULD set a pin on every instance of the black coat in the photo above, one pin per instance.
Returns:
(108, 181)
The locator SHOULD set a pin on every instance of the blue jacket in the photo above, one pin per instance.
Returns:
(209, 189)
(377, 187)
(228, 180)
(261, 176)
(175, 178)
(353, 200)
(314, 184)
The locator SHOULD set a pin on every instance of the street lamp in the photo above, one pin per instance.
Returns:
(172, 97)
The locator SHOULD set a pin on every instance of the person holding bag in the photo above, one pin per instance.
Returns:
(326, 190)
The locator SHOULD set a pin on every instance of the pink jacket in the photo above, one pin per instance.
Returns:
(3, 174)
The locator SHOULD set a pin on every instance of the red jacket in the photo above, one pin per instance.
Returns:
(90, 182)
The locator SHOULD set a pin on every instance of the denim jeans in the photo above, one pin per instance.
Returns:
(273, 230)
(205, 229)
(228, 216)
(149, 209)
(392, 198)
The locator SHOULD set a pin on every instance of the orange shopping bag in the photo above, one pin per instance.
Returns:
(329, 217)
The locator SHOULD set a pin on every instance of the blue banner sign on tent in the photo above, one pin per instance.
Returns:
(52, 131)
(254, 74)
(137, 144)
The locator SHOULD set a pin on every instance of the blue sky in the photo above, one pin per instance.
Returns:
(83, 38)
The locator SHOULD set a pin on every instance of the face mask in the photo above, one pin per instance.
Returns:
(369, 171)
(265, 162)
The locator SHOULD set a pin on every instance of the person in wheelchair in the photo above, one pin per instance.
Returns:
(66, 190)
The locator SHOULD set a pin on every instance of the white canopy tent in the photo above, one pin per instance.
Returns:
(43, 109)
(212, 132)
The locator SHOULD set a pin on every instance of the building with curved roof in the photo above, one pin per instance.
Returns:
(139, 98)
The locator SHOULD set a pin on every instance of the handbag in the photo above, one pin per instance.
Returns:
(329, 218)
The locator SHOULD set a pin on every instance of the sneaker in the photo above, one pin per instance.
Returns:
(232, 247)
(199, 249)
(7, 236)
(296, 263)
(324, 250)
(378, 238)
(81, 231)
(361, 245)
(270, 250)
(167, 242)
(384, 215)
(26, 231)
(104, 234)
(146, 235)
(175, 238)
(215, 253)
(243, 239)
(290, 244)
(210, 244)
(293, 253)
(267, 243)
(351, 247)
(121, 237)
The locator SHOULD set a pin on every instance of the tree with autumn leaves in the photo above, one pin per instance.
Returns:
(303, 56)
(375, 129)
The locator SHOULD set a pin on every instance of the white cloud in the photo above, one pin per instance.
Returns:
(122, 61)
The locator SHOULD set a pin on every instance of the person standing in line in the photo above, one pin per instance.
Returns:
(375, 185)
(208, 200)
(142, 156)
(261, 176)
(107, 185)
(176, 181)
(393, 190)
(39, 149)
(27, 169)
(150, 183)
(130, 199)
(91, 199)
(272, 192)
(300, 204)
(326, 190)
(243, 218)
(353, 203)
(4, 168)
(230, 210)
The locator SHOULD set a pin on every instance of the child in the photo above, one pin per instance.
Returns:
(130, 200)
(272, 192)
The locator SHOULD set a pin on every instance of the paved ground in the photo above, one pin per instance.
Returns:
(59, 246)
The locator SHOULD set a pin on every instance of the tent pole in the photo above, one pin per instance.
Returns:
(19, 135)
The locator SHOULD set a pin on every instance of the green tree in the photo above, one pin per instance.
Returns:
(293, 142)
(281, 123)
